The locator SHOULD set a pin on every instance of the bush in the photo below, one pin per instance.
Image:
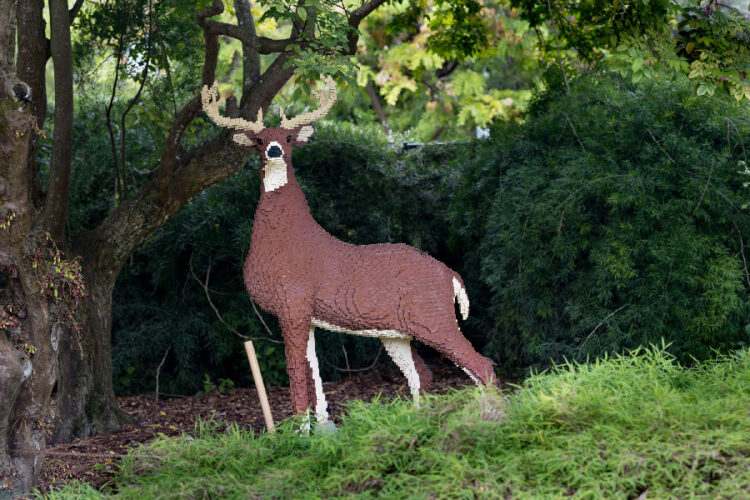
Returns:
(610, 219)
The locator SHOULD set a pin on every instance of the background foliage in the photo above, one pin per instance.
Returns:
(602, 213)
(615, 220)
(619, 227)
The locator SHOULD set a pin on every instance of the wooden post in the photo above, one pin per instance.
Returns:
(259, 386)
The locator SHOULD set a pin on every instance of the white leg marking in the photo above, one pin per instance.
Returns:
(466, 370)
(321, 407)
(400, 352)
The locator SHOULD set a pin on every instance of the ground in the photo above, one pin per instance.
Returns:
(94, 459)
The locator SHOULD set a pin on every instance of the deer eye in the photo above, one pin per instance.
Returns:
(259, 141)
(289, 138)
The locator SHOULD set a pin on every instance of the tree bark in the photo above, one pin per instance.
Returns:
(58, 189)
(26, 378)
(31, 65)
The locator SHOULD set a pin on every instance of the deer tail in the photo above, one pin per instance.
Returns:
(460, 295)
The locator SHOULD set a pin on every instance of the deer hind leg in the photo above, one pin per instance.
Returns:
(450, 342)
(400, 351)
(425, 374)
(321, 406)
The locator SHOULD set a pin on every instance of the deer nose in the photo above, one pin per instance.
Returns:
(275, 152)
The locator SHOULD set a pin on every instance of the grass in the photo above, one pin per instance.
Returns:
(619, 427)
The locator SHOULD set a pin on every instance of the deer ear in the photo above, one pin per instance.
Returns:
(242, 139)
(304, 134)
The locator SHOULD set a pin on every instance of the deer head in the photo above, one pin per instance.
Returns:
(273, 144)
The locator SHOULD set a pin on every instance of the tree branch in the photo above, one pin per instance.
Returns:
(188, 113)
(73, 12)
(375, 101)
(250, 56)
(108, 107)
(58, 191)
(355, 17)
(263, 45)
(133, 101)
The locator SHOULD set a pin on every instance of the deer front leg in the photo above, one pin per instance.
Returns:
(296, 335)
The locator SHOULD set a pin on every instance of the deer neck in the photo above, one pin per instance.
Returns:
(275, 174)
(286, 199)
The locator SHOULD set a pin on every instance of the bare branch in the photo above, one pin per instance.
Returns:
(263, 45)
(659, 144)
(158, 369)
(355, 17)
(355, 370)
(204, 285)
(600, 324)
(108, 107)
(250, 56)
(73, 12)
(133, 101)
(188, 112)
(574, 132)
(206, 290)
(375, 101)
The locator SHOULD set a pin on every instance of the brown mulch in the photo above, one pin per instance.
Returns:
(94, 459)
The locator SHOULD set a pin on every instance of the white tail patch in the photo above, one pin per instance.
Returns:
(461, 298)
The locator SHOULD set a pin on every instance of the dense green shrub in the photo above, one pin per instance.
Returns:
(360, 188)
(610, 219)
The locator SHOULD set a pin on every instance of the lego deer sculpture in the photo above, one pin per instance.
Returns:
(298, 272)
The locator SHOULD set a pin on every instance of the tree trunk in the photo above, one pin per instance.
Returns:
(27, 353)
(85, 398)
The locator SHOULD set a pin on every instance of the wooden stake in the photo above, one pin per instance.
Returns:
(259, 386)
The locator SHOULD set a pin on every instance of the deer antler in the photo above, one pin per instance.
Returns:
(211, 103)
(326, 97)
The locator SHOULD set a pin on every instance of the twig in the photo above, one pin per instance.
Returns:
(346, 357)
(264, 324)
(158, 369)
(659, 144)
(354, 370)
(742, 252)
(600, 324)
(710, 173)
(574, 132)
(204, 285)
(206, 290)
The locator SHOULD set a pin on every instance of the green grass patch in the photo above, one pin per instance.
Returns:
(617, 427)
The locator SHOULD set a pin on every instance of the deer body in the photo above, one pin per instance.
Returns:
(304, 276)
